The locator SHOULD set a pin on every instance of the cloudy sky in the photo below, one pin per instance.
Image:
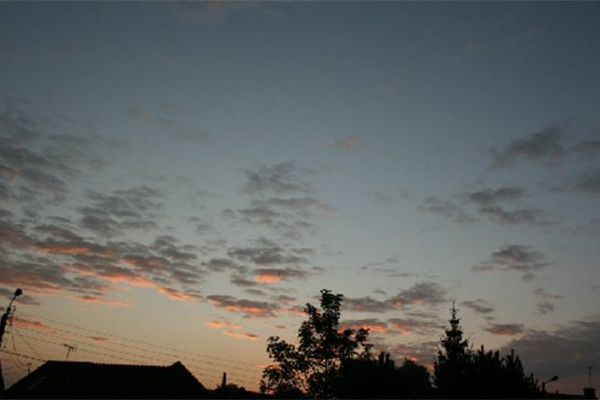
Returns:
(178, 179)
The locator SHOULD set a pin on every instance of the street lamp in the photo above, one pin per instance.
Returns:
(3, 320)
(553, 379)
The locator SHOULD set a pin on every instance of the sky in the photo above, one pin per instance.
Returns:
(177, 180)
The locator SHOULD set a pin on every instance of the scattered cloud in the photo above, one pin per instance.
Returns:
(544, 145)
(54, 257)
(230, 329)
(248, 308)
(479, 306)
(566, 351)
(588, 182)
(268, 253)
(419, 326)
(241, 335)
(283, 178)
(275, 275)
(515, 258)
(372, 324)
(37, 164)
(346, 144)
(586, 148)
(222, 324)
(446, 208)
(549, 145)
(546, 306)
(421, 352)
(284, 201)
(179, 295)
(423, 293)
(30, 324)
(100, 301)
(505, 329)
(22, 299)
(110, 215)
(491, 204)
(488, 200)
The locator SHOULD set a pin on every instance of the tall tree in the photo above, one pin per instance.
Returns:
(451, 369)
(461, 372)
(312, 367)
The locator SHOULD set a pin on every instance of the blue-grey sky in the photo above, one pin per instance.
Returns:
(190, 174)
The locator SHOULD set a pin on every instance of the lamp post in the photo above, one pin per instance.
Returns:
(5, 317)
(553, 379)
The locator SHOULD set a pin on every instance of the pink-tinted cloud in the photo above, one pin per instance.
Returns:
(241, 335)
(266, 278)
(101, 301)
(177, 295)
(248, 308)
(373, 325)
(30, 324)
(222, 324)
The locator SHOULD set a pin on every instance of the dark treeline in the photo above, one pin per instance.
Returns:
(331, 363)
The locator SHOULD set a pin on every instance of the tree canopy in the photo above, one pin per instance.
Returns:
(312, 367)
(461, 372)
(329, 362)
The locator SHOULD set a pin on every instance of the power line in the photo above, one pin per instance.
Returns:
(12, 337)
(250, 380)
(207, 371)
(21, 355)
(142, 342)
(237, 375)
(145, 350)
(26, 342)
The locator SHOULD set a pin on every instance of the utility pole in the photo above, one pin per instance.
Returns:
(5, 317)
(69, 348)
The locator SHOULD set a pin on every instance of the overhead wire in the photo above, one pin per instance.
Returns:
(145, 350)
(25, 341)
(206, 371)
(237, 362)
(12, 337)
(183, 354)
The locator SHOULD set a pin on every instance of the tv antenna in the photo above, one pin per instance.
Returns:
(69, 349)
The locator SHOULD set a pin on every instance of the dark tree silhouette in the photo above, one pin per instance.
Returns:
(461, 372)
(312, 368)
(450, 371)
(368, 378)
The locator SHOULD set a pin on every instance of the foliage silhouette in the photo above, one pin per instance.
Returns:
(453, 360)
(329, 363)
(461, 372)
(368, 378)
(312, 368)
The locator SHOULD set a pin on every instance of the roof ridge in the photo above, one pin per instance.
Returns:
(112, 364)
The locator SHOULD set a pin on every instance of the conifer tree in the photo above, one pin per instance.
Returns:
(451, 368)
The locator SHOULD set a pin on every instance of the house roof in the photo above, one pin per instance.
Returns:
(66, 379)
